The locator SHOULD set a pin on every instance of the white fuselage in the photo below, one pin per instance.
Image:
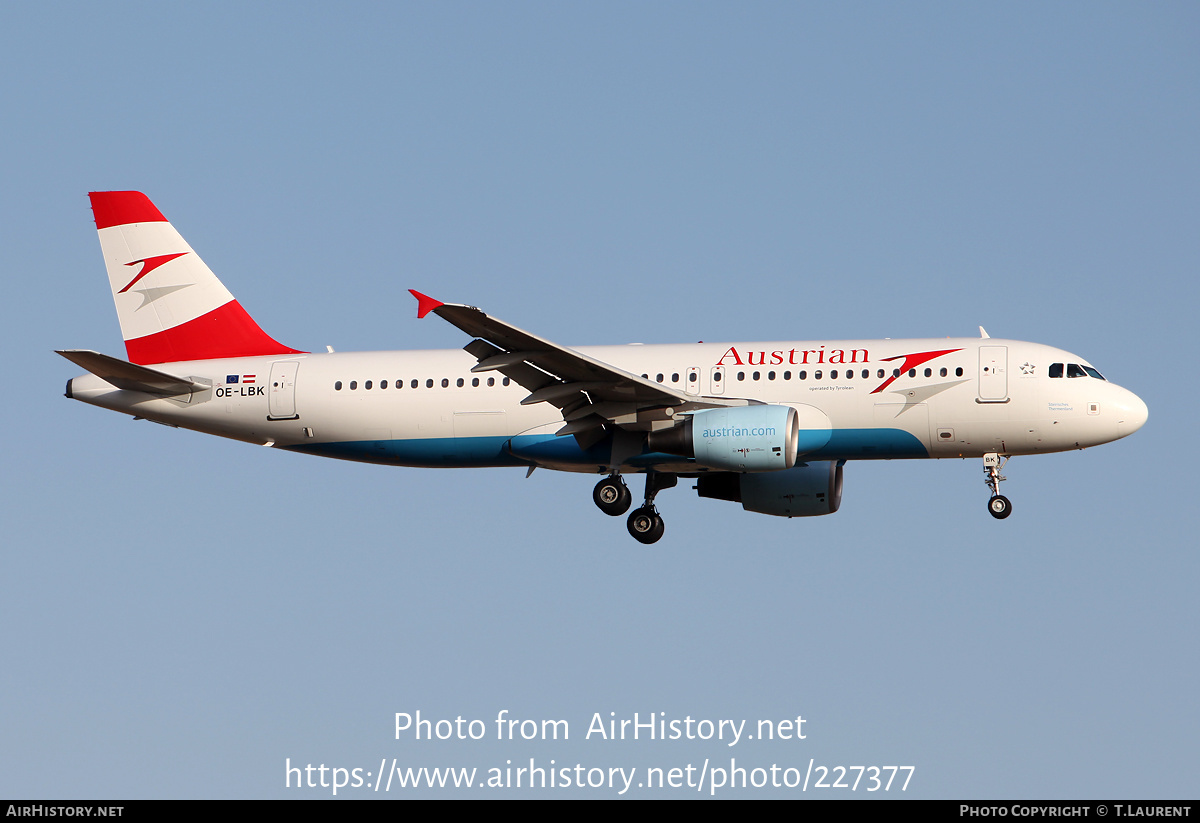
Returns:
(961, 397)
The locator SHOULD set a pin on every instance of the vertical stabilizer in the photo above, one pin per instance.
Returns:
(170, 304)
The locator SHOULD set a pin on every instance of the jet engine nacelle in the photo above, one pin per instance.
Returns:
(806, 490)
(743, 438)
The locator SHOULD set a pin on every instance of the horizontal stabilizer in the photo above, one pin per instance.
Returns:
(131, 377)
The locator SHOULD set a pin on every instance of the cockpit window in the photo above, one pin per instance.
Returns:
(1073, 370)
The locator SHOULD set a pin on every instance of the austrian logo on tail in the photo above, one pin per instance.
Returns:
(149, 265)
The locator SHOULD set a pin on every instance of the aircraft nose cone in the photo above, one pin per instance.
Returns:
(1134, 414)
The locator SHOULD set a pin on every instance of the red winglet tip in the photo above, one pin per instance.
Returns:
(425, 303)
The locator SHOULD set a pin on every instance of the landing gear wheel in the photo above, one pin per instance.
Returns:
(645, 525)
(612, 496)
(1000, 507)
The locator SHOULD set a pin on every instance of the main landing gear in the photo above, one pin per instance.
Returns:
(613, 498)
(999, 505)
(646, 525)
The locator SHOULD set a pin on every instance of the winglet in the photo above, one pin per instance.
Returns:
(425, 303)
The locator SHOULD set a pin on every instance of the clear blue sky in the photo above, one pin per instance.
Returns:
(182, 614)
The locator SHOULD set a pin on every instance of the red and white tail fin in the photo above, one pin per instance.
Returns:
(171, 306)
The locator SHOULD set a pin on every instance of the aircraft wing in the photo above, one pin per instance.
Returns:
(590, 393)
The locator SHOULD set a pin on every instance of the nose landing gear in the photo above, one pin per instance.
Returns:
(999, 505)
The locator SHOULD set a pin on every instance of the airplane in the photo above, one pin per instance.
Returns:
(768, 425)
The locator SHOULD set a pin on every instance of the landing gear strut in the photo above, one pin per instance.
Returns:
(612, 496)
(999, 505)
(645, 524)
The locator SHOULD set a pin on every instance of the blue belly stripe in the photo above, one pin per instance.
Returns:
(478, 452)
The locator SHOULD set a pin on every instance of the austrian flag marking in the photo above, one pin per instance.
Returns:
(241, 385)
